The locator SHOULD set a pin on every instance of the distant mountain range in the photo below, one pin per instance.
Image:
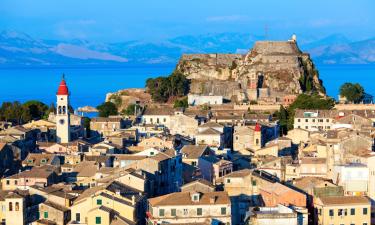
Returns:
(19, 49)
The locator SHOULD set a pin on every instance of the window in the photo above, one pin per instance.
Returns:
(352, 212)
(306, 120)
(185, 212)
(8, 182)
(173, 212)
(331, 212)
(98, 220)
(340, 212)
(299, 120)
(15, 182)
(45, 215)
(257, 141)
(10, 206)
(161, 212)
(223, 210)
(78, 217)
(99, 202)
(254, 182)
(199, 211)
(228, 181)
(195, 197)
(364, 211)
(164, 120)
(194, 163)
(17, 206)
(364, 223)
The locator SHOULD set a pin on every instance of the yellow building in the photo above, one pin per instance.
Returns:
(337, 210)
(92, 206)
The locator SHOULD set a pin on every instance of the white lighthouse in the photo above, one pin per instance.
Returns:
(62, 114)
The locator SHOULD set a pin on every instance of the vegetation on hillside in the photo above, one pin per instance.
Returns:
(116, 99)
(352, 92)
(181, 103)
(130, 109)
(162, 88)
(107, 109)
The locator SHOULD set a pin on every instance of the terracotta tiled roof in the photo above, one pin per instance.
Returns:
(184, 198)
(209, 131)
(313, 160)
(106, 119)
(193, 151)
(345, 200)
(211, 124)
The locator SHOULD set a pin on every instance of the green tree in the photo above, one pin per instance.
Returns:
(181, 103)
(107, 109)
(86, 125)
(162, 88)
(130, 109)
(352, 92)
(282, 116)
(116, 99)
(36, 109)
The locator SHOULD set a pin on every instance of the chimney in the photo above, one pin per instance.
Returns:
(133, 200)
(212, 199)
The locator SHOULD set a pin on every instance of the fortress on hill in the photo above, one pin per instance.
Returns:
(271, 72)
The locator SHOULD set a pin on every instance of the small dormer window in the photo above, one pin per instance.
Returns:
(152, 153)
(29, 160)
(43, 160)
(195, 197)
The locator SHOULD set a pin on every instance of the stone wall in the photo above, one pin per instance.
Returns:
(277, 65)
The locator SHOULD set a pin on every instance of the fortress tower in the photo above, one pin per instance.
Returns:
(62, 113)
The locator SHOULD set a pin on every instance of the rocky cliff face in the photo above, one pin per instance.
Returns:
(277, 68)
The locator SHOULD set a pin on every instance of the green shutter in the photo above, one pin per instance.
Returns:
(199, 211)
(98, 220)
(45, 215)
(99, 202)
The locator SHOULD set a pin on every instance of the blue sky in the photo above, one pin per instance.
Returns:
(122, 20)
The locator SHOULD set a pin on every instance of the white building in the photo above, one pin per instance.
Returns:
(279, 215)
(205, 99)
(353, 177)
(190, 208)
(62, 114)
(313, 120)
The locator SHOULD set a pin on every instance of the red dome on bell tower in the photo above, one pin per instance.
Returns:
(63, 88)
(257, 127)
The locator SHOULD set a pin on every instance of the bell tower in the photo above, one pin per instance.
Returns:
(257, 142)
(62, 113)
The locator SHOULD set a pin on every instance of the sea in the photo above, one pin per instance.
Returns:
(89, 85)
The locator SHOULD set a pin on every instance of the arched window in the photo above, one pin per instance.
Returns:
(10, 206)
(64, 109)
(17, 206)
(59, 109)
